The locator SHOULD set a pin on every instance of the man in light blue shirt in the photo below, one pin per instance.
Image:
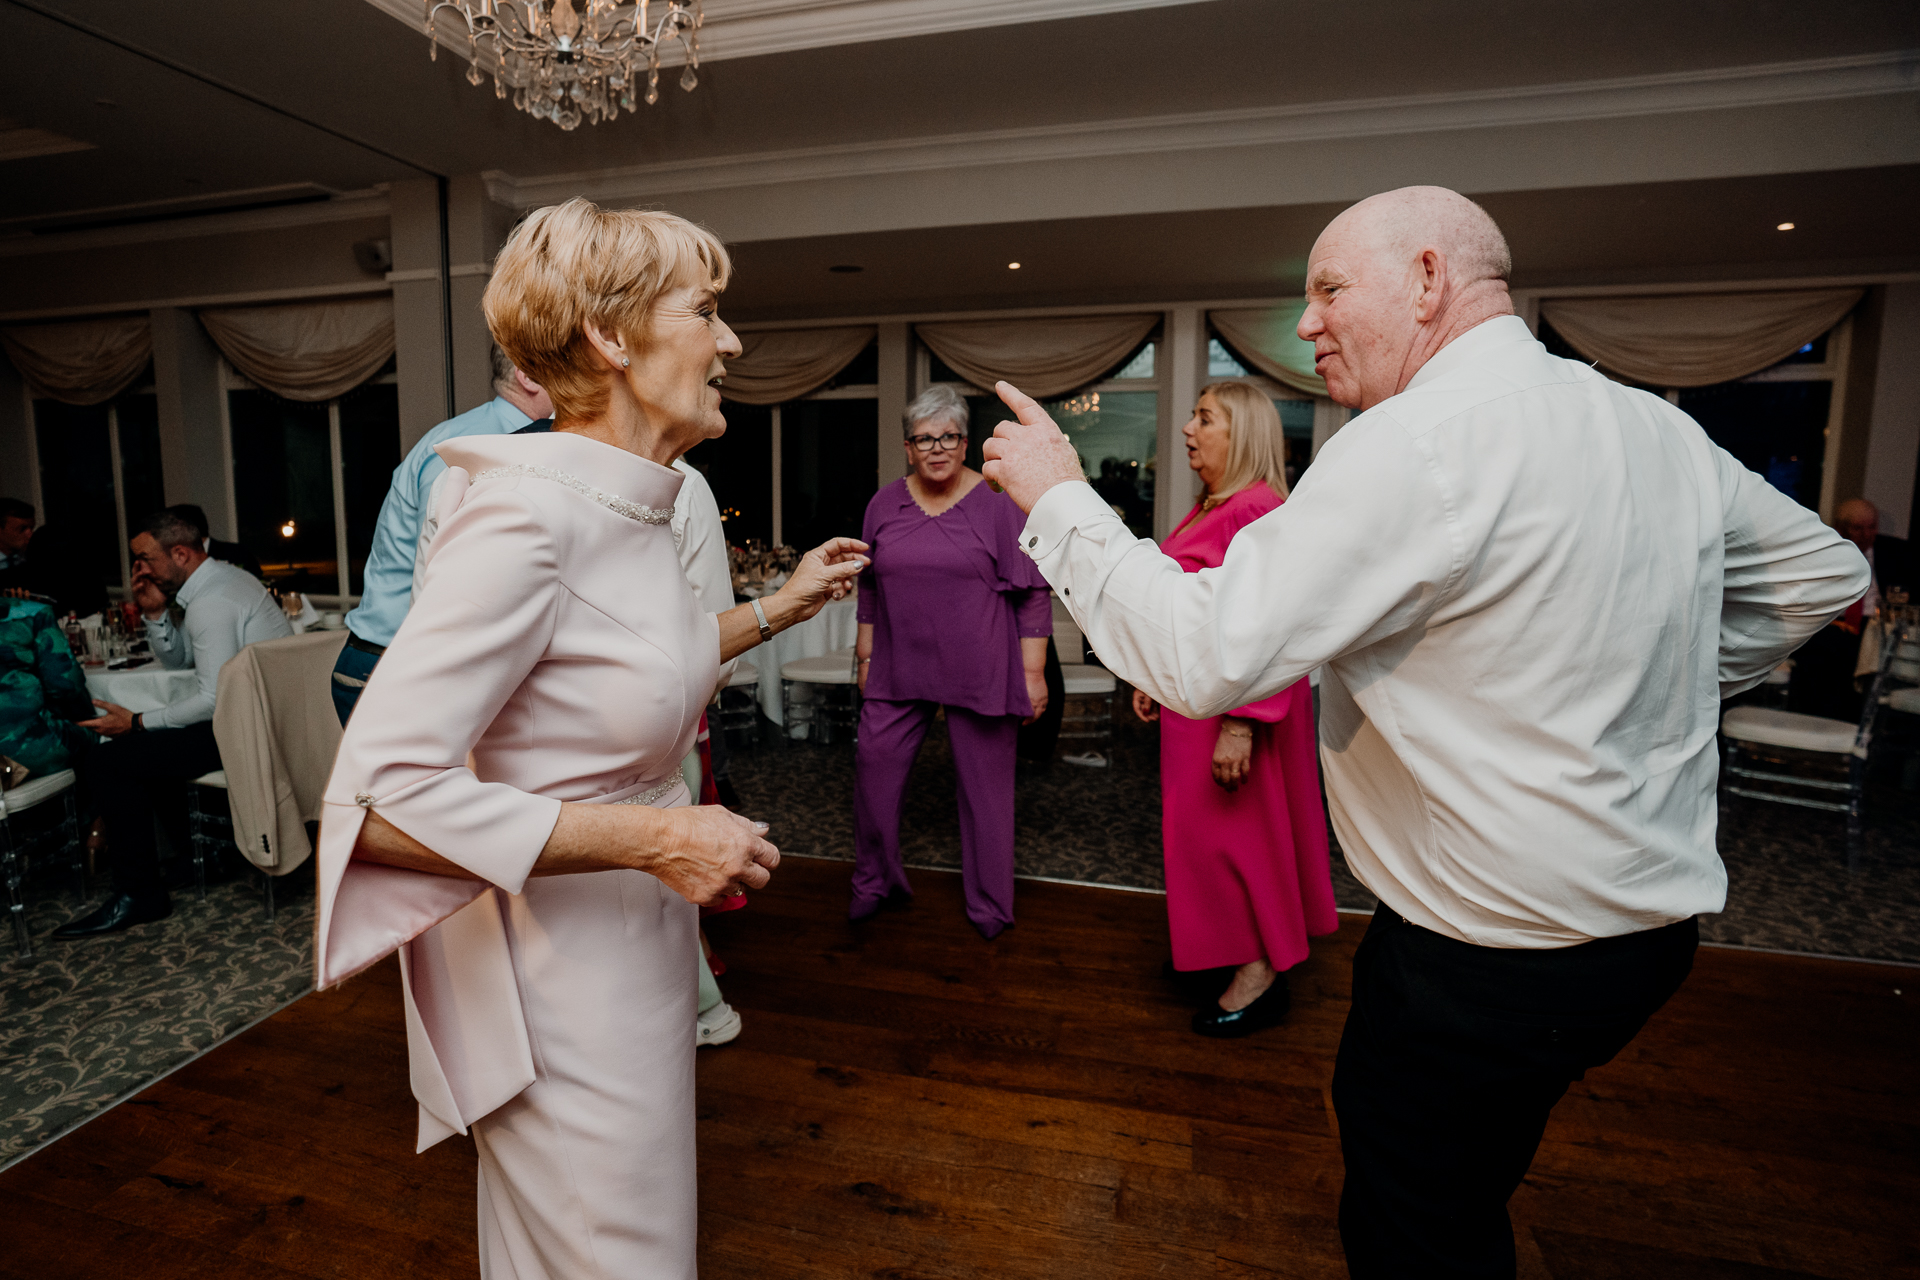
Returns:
(387, 588)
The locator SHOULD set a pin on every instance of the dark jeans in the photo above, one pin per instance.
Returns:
(130, 776)
(350, 672)
(1452, 1058)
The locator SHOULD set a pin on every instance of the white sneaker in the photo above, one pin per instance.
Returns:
(1086, 760)
(719, 1025)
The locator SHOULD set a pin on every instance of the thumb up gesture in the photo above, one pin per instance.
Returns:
(1028, 457)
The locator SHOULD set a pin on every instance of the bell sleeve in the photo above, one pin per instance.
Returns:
(1021, 581)
(486, 613)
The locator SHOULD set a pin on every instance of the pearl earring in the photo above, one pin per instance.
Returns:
(624, 362)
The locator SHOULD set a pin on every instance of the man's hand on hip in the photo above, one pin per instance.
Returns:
(1028, 457)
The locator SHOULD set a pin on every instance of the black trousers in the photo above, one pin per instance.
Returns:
(129, 776)
(1453, 1056)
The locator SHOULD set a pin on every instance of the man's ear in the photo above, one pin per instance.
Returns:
(1430, 271)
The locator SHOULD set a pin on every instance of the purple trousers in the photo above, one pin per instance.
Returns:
(983, 757)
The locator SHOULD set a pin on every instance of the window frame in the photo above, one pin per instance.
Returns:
(231, 379)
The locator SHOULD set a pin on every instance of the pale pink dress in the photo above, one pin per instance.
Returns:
(1247, 873)
(554, 653)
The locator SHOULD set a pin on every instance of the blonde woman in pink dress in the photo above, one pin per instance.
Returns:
(1242, 820)
(507, 809)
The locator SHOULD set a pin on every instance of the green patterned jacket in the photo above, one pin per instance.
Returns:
(41, 691)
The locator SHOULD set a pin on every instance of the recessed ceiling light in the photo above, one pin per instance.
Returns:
(846, 269)
(1785, 226)
(1013, 266)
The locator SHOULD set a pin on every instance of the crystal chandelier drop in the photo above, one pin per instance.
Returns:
(566, 65)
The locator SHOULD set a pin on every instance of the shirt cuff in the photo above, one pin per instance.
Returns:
(1060, 510)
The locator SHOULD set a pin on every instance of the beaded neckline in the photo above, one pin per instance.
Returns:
(612, 502)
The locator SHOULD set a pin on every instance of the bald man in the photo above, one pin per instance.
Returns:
(1824, 679)
(1528, 588)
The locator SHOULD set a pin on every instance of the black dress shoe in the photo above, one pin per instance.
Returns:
(121, 911)
(1199, 987)
(1270, 1010)
(896, 900)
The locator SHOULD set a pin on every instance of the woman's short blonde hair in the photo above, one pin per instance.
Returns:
(572, 264)
(1256, 444)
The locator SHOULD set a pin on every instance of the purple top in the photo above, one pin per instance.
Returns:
(950, 597)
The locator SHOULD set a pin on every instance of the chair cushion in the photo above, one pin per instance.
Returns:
(218, 778)
(34, 790)
(828, 668)
(1789, 729)
(1907, 700)
(1086, 679)
(744, 673)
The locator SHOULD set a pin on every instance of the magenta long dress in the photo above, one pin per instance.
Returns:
(1247, 870)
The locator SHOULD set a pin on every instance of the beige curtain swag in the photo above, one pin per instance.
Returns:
(1265, 337)
(305, 351)
(778, 365)
(83, 362)
(1696, 339)
(1043, 358)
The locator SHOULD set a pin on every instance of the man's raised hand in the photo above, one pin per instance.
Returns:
(1028, 457)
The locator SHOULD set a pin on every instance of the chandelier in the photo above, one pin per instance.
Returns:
(573, 60)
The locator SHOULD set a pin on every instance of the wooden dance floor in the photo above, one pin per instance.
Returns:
(910, 1102)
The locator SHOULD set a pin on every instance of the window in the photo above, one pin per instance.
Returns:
(98, 458)
(309, 479)
(801, 472)
(1114, 426)
(1777, 422)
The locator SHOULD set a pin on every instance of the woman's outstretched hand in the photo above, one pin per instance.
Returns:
(713, 854)
(824, 573)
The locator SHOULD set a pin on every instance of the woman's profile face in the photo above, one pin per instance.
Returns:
(1209, 439)
(677, 371)
(946, 455)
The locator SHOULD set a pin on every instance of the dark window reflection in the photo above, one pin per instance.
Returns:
(1776, 428)
(141, 483)
(738, 466)
(283, 487)
(369, 451)
(76, 482)
(828, 461)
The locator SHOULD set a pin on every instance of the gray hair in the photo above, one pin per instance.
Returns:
(938, 404)
(169, 530)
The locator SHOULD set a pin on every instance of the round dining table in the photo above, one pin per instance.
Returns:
(836, 626)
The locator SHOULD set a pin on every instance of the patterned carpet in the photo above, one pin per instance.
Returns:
(1789, 888)
(84, 1024)
(87, 1024)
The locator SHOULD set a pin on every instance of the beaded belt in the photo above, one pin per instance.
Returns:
(654, 793)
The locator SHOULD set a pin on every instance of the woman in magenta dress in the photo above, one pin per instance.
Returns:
(1242, 822)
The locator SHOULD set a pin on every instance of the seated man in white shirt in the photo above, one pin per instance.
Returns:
(1529, 587)
(153, 752)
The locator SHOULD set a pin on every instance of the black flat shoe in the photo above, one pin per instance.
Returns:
(896, 900)
(1199, 987)
(121, 911)
(1270, 1010)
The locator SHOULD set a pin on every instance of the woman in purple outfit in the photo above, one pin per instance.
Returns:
(951, 615)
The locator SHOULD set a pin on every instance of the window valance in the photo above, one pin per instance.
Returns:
(1696, 339)
(307, 351)
(1265, 337)
(81, 361)
(777, 365)
(1044, 357)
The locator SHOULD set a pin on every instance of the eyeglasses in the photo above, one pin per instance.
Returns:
(946, 444)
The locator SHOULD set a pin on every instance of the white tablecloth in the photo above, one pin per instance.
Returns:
(834, 627)
(148, 687)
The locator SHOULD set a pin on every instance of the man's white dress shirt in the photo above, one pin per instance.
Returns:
(1530, 587)
(227, 610)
